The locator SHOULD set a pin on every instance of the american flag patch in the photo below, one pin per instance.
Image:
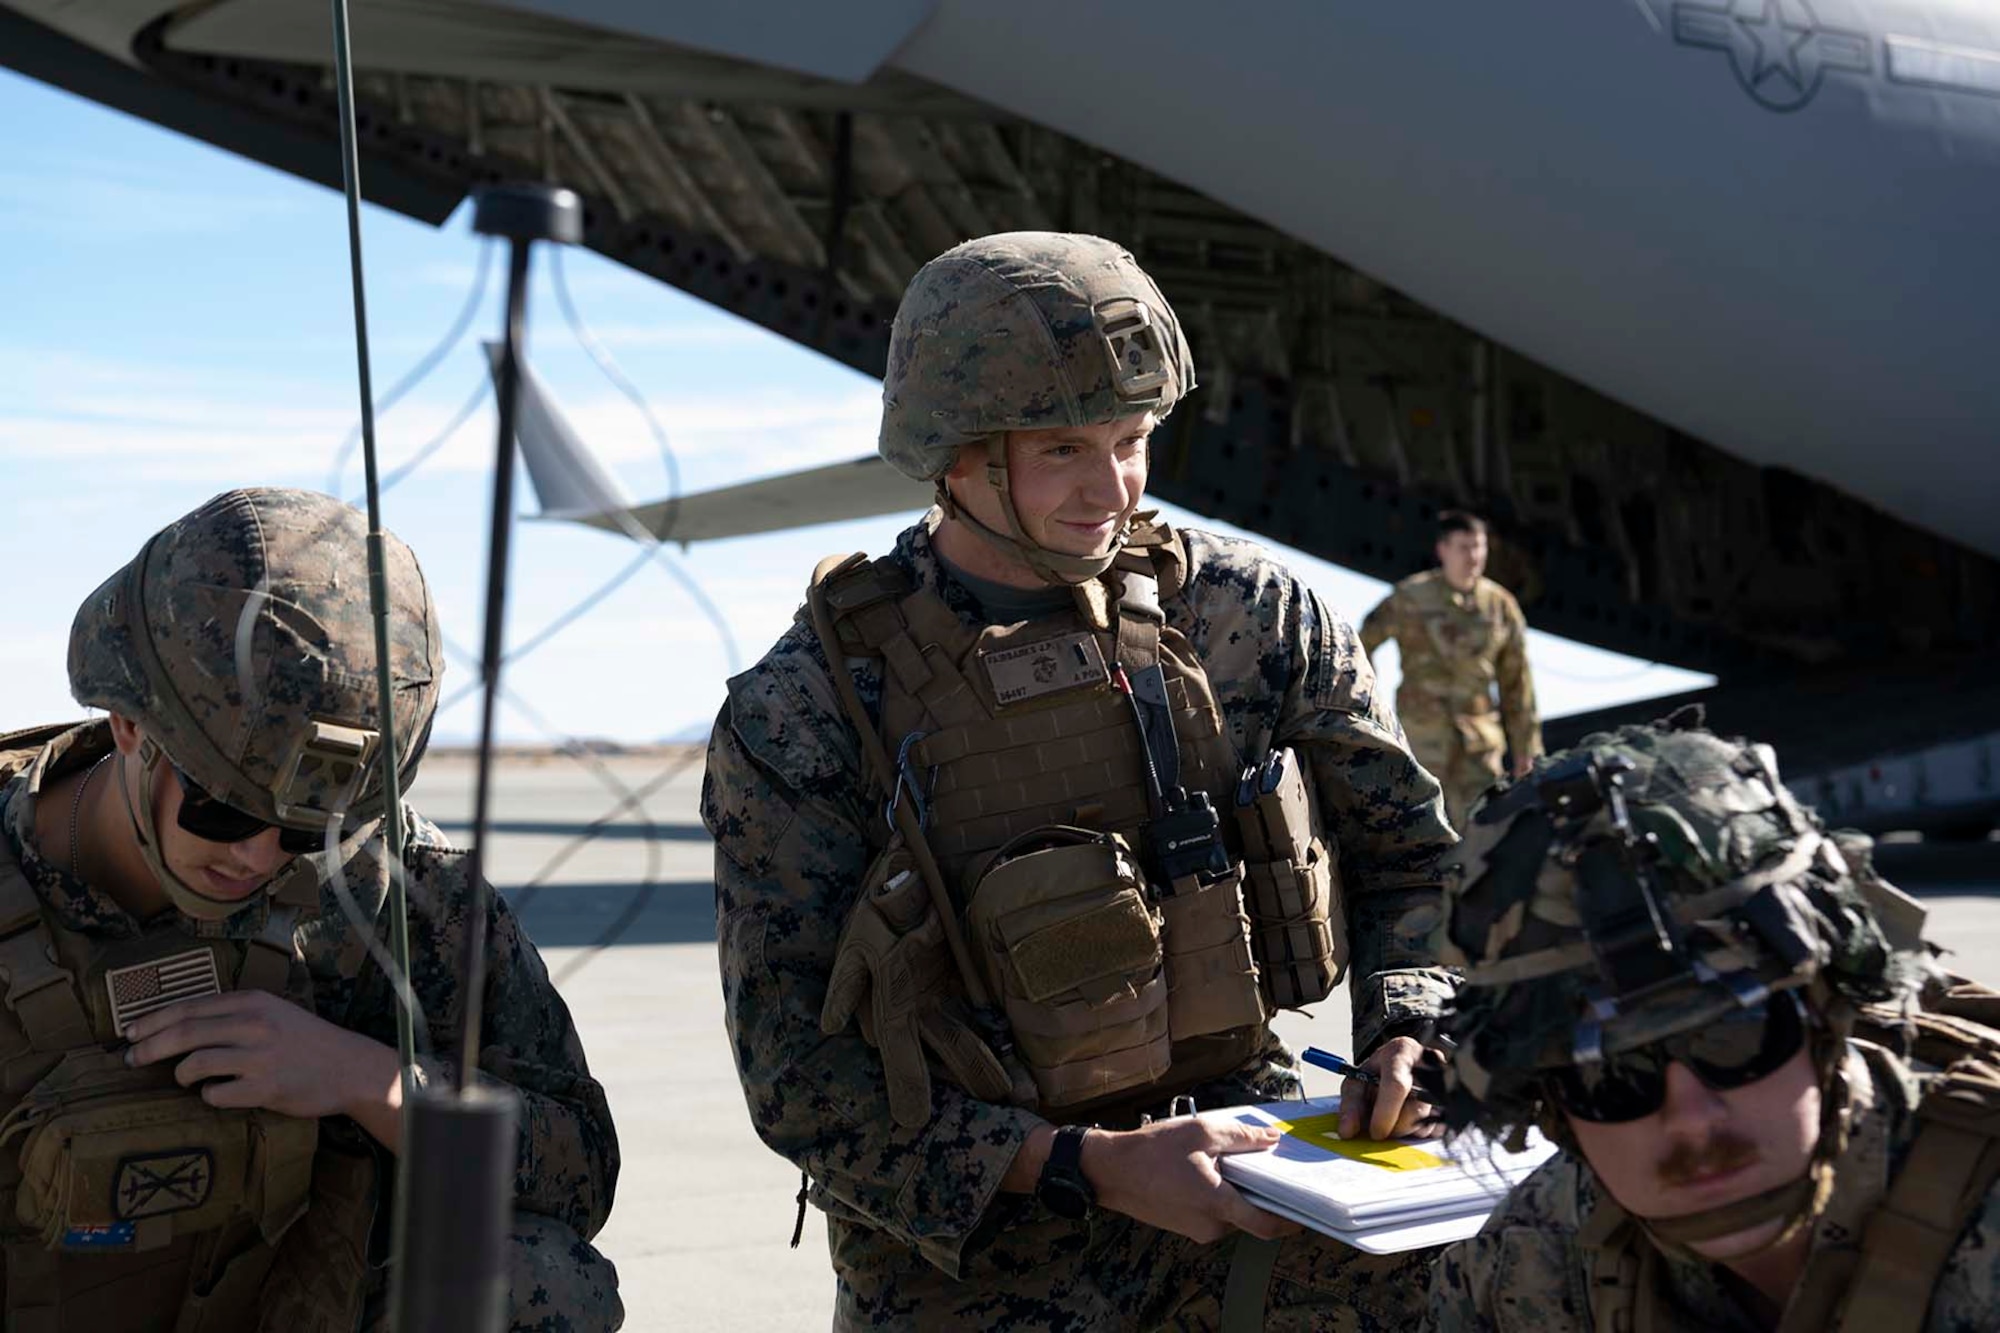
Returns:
(117, 1235)
(140, 989)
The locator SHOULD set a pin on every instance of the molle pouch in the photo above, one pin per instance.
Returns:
(1060, 924)
(116, 1158)
(1291, 885)
(1211, 978)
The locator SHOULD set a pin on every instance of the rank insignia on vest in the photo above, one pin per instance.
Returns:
(163, 1182)
(144, 987)
(1048, 667)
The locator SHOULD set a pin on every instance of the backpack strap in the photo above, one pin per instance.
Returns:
(1139, 619)
(270, 955)
(879, 614)
(1952, 1164)
(41, 993)
(1616, 1250)
(1160, 548)
(819, 603)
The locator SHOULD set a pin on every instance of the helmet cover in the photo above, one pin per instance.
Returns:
(240, 639)
(1022, 331)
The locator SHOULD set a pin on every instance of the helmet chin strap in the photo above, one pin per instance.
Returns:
(189, 901)
(1050, 566)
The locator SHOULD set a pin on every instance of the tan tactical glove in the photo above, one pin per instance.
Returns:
(892, 953)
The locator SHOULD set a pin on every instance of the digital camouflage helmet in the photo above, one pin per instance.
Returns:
(1023, 331)
(1643, 885)
(239, 639)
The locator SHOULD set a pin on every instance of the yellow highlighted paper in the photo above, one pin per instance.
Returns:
(1323, 1131)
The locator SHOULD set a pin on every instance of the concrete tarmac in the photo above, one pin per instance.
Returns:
(626, 923)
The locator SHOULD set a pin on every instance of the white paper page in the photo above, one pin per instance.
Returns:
(1348, 1188)
(1392, 1239)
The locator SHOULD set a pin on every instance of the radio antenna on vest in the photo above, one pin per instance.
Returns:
(451, 1269)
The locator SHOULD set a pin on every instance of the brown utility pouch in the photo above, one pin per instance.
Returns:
(113, 1156)
(1211, 980)
(1061, 926)
(1298, 923)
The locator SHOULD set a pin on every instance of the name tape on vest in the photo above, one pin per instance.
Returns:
(1047, 667)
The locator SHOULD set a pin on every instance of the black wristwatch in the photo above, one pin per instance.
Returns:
(1062, 1188)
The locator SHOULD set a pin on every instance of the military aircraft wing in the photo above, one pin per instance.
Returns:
(859, 488)
(572, 486)
(569, 482)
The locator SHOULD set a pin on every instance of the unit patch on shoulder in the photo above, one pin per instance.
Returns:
(163, 1182)
(1049, 666)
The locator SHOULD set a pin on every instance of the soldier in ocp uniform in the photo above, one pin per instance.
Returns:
(200, 1083)
(1025, 830)
(1466, 695)
(1773, 1110)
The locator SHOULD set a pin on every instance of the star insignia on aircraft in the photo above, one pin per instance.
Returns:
(1777, 42)
(1779, 49)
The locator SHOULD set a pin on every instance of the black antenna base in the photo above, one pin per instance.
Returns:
(528, 211)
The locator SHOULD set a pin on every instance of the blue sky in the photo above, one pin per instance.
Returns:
(177, 322)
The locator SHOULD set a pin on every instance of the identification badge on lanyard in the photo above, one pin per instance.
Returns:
(1049, 666)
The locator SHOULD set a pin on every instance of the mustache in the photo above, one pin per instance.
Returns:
(1723, 1151)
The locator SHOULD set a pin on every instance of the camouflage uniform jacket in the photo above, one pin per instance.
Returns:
(1455, 646)
(787, 800)
(567, 1157)
(1528, 1270)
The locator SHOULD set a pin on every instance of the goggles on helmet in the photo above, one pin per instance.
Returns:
(1731, 1052)
(216, 821)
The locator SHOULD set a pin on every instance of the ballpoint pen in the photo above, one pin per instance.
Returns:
(1313, 1055)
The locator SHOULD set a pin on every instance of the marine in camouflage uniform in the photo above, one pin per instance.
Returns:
(242, 622)
(1466, 693)
(921, 1233)
(1635, 917)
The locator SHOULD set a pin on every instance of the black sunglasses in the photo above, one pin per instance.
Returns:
(1734, 1051)
(216, 821)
